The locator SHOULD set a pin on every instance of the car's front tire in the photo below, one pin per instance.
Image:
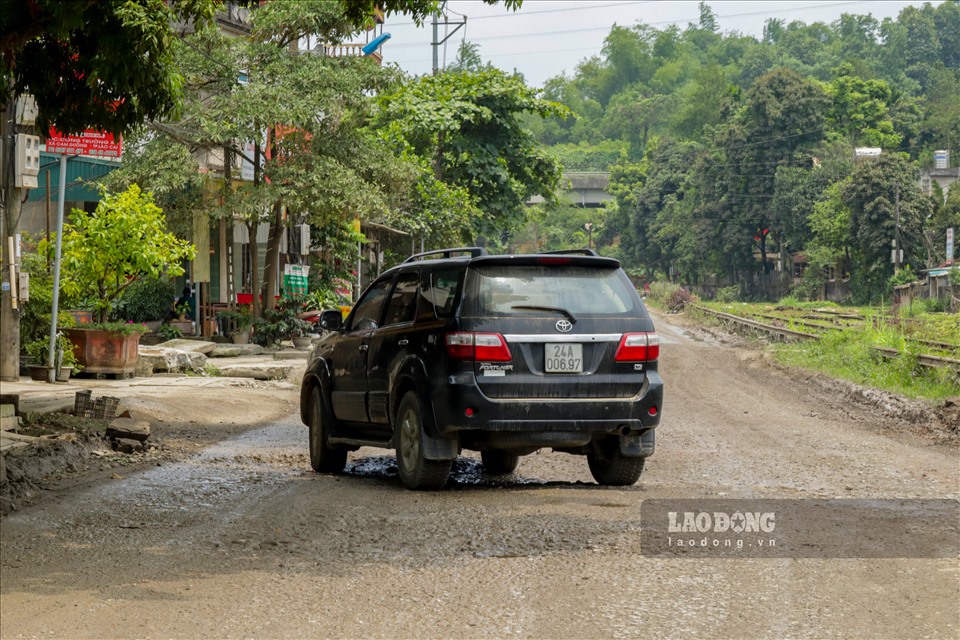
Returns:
(610, 467)
(323, 459)
(498, 461)
(416, 472)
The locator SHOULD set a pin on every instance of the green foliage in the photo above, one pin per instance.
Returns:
(146, 300)
(239, 320)
(107, 65)
(119, 328)
(671, 296)
(123, 241)
(584, 156)
(169, 332)
(466, 131)
(850, 355)
(904, 276)
(877, 195)
(727, 135)
(64, 352)
(728, 294)
(35, 312)
(280, 323)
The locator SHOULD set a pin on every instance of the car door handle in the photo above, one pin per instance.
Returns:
(404, 342)
(363, 347)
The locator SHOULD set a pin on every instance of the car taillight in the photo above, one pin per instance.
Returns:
(638, 347)
(486, 347)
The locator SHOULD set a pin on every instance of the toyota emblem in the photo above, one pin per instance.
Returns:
(563, 326)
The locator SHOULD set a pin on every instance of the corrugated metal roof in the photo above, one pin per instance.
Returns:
(82, 175)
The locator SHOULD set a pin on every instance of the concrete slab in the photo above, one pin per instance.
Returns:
(192, 346)
(292, 354)
(257, 371)
(235, 350)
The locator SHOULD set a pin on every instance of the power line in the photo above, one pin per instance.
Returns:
(652, 24)
(531, 13)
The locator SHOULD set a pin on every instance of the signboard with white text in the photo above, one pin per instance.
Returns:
(99, 144)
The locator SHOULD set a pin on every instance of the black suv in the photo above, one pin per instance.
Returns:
(502, 354)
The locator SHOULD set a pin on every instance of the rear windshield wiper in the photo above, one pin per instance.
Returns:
(531, 307)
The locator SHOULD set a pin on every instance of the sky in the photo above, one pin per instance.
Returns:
(546, 38)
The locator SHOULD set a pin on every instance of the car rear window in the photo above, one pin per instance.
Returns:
(504, 290)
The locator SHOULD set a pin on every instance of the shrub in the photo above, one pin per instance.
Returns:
(679, 299)
(660, 291)
(169, 332)
(728, 294)
(146, 300)
(281, 323)
(35, 312)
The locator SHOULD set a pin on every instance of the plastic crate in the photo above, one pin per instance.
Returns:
(103, 408)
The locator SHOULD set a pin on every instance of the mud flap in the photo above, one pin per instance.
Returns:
(439, 448)
(638, 446)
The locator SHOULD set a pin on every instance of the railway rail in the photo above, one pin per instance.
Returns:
(926, 360)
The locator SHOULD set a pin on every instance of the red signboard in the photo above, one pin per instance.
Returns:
(88, 143)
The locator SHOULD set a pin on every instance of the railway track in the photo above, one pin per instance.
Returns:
(926, 360)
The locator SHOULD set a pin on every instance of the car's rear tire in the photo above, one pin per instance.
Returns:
(416, 472)
(323, 459)
(498, 461)
(610, 467)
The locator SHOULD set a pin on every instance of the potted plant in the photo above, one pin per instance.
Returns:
(298, 333)
(237, 324)
(65, 360)
(182, 321)
(106, 252)
(281, 323)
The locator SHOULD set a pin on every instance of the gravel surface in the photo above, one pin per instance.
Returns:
(228, 534)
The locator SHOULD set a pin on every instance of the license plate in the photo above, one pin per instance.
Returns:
(563, 357)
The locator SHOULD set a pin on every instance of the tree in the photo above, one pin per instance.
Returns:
(105, 65)
(860, 110)
(468, 127)
(313, 158)
(781, 119)
(885, 204)
(124, 241)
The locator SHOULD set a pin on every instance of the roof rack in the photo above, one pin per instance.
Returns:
(582, 252)
(448, 253)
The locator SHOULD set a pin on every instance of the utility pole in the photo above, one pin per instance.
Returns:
(436, 42)
(12, 200)
(897, 244)
(436, 33)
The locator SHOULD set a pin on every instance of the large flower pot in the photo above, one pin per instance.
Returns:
(102, 351)
(185, 326)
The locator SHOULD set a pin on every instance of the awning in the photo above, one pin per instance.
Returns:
(83, 173)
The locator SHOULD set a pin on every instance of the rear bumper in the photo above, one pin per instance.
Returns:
(593, 416)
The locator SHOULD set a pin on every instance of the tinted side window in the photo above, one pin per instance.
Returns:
(403, 300)
(439, 291)
(366, 315)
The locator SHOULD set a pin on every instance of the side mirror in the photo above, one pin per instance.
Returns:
(331, 319)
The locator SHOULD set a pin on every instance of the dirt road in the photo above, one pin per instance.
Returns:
(241, 540)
